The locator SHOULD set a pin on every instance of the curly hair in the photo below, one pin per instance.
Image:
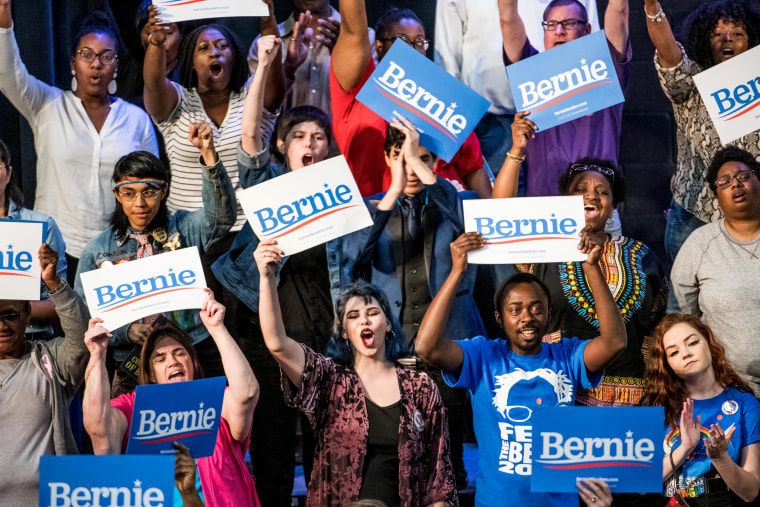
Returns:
(390, 18)
(731, 154)
(187, 75)
(664, 388)
(97, 22)
(696, 30)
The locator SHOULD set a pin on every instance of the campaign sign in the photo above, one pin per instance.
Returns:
(615, 444)
(307, 207)
(526, 229)
(731, 93)
(174, 11)
(20, 242)
(126, 292)
(187, 412)
(566, 82)
(443, 109)
(78, 481)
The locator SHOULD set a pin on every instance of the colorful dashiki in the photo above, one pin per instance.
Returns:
(640, 288)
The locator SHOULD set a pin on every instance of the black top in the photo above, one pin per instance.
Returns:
(381, 465)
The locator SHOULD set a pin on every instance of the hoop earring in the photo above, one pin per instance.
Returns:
(73, 80)
(112, 85)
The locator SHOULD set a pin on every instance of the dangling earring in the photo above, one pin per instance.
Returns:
(73, 80)
(112, 85)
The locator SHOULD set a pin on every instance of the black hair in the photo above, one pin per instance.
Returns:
(696, 30)
(390, 18)
(189, 79)
(616, 183)
(731, 154)
(394, 138)
(12, 191)
(510, 283)
(558, 3)
(98, 22)
(140, 164)
(294, 116)
(340, 348)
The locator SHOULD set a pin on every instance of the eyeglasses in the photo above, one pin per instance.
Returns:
(10, 318)
(87, 55)
(421, 44)
(148, 194)
(726, 180)
(580, 168)
(567, 24)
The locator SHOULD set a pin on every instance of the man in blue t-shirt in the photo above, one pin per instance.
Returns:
(509, 378)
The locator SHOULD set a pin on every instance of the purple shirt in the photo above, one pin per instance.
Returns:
(597, 135)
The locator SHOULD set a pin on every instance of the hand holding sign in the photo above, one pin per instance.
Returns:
(465, 243)
(523, 130)
(184, 471)
(267, 256)
(595, 492)
(590, 246)
(48, 266)
(156, 31)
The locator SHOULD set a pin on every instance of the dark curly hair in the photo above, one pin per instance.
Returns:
(663, 387)
(98, 22)
(340, 348)
(391, 17)
(616, 183)
(696, 30)
(730, 154)
(187, 75)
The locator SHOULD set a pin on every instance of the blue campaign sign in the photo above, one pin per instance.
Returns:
(443, 109)
(566, 82)
(188, 412)
(616, 444)
(67, 481)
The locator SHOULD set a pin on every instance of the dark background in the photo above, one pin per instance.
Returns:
(45, 30)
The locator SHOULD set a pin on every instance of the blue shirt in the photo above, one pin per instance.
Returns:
(505, 388)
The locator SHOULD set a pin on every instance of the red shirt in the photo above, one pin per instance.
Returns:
(360, 135)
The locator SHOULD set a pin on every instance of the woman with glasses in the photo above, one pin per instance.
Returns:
(710, 35)
(142, 226)
(712, 420)
(633, 273)
(78, 134)
(716, 274)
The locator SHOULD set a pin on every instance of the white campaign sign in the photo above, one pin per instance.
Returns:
(526, 229)
(307, 207)
(174, 11)
(731, 93)
(19, 260)
(126, 292)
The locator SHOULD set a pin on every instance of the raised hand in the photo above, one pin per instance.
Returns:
(465, 243)
(96, 338)
(267, 256)
(590, 245)
(212, 312)
(523, 130)
(719, 440)
(49, 266)
(156, 31)
(200, 135)
(327, 32)
(269, 49)
(298, 48)
(688, 426)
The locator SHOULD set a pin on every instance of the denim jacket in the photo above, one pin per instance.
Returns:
(201, 228)
(237, 269)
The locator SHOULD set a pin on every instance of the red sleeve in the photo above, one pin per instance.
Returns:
(125, 403)
(469, 158)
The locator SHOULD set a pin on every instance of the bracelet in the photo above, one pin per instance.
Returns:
(656, 17)
(62, 284)
(150, 39)
(519, 159)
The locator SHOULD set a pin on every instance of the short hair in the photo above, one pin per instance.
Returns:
(510, 283)
(145, 374)
(394, 138)
(97, 22)
(140, 164)
(559, 3)
(341, 350)
(616, 182)
(695, 31)
(730, 154)
(12, 190)
(188, 77)
(390, 18)
(292, 117)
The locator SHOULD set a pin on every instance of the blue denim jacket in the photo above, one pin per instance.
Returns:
(201, 228)
(237, 269)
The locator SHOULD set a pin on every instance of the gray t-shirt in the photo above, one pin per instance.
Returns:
(718, 277)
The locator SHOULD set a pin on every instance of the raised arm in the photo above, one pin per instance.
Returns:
(352, 52)
(507, 182)
(105, 424)
(742, 478)
(616, 25)
(243, 393)
(269, 51)
(432, 345)
(275, 88)
(661, 34)
(513, 32)
(612, 338)
(158, 92)
(286, 351)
